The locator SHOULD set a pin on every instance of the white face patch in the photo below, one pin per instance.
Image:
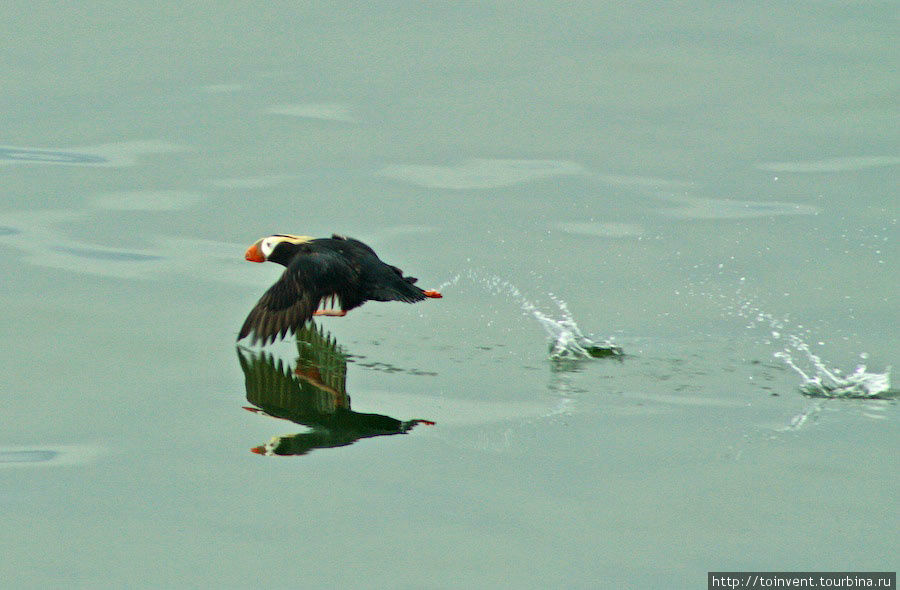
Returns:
(267, 245)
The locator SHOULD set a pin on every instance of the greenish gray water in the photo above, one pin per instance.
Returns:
(699, 181)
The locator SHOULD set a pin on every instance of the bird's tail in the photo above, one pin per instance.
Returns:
(403, 290)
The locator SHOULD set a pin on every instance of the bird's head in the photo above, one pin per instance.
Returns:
(276, 248)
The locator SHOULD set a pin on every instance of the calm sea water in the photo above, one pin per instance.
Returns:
(709, 185)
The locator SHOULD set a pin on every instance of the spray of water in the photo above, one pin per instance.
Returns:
(819, 379)
(566, 340)
(826, 382)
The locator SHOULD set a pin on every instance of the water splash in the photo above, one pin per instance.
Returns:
(821, 381)
(818, 378)
(566, 341)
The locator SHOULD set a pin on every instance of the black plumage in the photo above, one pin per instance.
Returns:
(339, 271)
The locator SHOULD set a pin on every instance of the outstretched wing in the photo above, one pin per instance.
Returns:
(286, 306)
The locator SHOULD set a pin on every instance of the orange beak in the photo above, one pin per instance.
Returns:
(253, 254)
(258, 450)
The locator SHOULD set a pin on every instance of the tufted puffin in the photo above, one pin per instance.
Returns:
(337, 270)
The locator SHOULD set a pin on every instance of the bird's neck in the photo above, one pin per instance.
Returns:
(283, 253)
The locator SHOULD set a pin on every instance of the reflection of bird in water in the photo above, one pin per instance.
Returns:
(337, 271)
(312, 394)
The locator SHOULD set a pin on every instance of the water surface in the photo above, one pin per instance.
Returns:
(698, 184)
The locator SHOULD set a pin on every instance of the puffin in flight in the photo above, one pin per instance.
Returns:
(339, 271)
